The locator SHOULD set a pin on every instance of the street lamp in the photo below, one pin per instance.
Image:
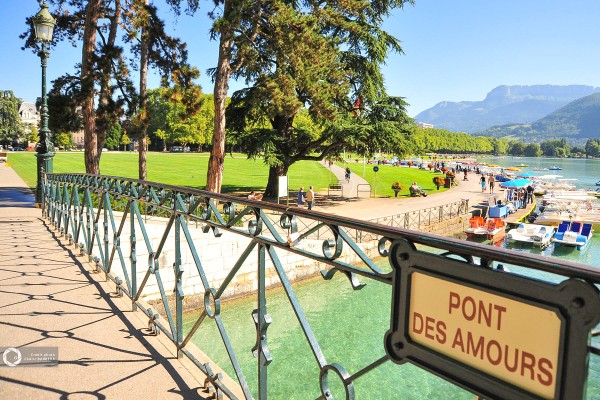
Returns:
(43, 23)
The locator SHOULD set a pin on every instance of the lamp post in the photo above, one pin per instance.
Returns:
(43, 23)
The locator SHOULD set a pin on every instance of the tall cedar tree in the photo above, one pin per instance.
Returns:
(309, 54)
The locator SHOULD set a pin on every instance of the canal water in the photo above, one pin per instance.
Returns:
(350, 326)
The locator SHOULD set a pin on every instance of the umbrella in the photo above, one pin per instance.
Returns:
(515, 184)
(525, 175)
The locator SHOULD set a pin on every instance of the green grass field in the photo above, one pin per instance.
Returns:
(241, 174)
(188, 169)
(381, 182)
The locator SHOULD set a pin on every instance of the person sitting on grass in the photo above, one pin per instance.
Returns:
(254, 196)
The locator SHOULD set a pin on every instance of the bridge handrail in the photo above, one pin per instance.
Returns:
(88, 209)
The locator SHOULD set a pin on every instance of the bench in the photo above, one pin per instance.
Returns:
(3, 156)
(337, 188)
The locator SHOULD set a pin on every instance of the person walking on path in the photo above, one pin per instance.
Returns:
(310, 197)
(347, 174)
(301, 196)
(491, 182)
(482, 183)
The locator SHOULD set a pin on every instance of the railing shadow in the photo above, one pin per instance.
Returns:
(147, 237)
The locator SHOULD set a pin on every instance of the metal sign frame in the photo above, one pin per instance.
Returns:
(575, 301)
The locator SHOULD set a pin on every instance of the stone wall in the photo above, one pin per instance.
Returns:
(451, 227)
(217, 257)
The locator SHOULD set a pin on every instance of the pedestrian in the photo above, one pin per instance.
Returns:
(523, 193)
(310, 197)
(491, 182)
(347, 174)
(465, 175)
(530, 193)
(482, 183)
(301, 196)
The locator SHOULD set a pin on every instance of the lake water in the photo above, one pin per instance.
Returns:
(350, 325)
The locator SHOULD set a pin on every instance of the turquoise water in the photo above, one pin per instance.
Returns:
(350, 326)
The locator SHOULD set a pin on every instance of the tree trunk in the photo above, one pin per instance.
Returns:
(272, 185)
(90, 140)
(142, 144)
(105, 92)
(216, 161)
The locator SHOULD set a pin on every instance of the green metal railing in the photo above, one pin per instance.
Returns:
(426, 216)
(104, 216)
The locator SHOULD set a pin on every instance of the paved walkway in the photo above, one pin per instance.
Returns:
(49, 298)
(371, 208)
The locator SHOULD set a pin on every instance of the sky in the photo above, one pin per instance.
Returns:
(454, 50)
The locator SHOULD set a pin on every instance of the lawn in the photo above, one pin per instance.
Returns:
(241, 175)
(381, 181)
(188, 169)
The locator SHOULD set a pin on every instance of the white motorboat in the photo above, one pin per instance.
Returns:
(538, 235)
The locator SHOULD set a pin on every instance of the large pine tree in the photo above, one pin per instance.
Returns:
(314, 55)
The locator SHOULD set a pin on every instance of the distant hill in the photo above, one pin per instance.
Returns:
(503, 105)
(577, 121)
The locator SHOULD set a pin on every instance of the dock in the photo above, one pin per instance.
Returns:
(521, 214)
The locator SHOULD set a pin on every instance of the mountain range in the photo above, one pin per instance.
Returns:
(514, 110)
(576, 122)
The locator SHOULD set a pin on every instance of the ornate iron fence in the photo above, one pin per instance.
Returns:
(111, 219)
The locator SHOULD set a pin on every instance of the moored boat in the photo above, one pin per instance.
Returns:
(574, 234)
(538, 235)
(493, 229)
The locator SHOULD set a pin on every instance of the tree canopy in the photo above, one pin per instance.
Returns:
(110, 34)
(325, 58)
(10, 121)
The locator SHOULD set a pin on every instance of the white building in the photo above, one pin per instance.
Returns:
(29, 114)
(424, 125)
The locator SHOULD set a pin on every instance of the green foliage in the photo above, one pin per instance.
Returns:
(173, 118)
(113, 136)
(125, 140)
(444, 141)
(10, 121)
(592, 148)
(516, 148)
(532, 150)
(63, 108)
(33, 134)
(316, 57)
(555, 148)
(63, 140)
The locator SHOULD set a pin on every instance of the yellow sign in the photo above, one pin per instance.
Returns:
(513, 341)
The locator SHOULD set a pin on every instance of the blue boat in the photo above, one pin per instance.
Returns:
(598, 183)
(554, 168)
(573, 234)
